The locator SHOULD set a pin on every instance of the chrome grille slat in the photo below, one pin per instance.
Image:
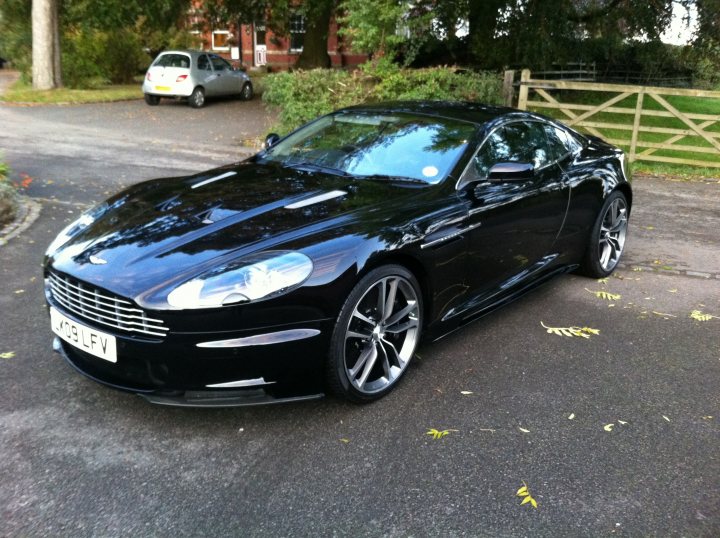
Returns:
(92, 304)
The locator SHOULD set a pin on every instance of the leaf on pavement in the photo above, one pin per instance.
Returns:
(666, 418)
(466, 392)
(18, 292)
(7, 355)
(522, 491)
(602, 294)
(583, 332)
(700, 316)
(622, 422)
(344, 440)
(438, 434)
(523, 430)
(608, 427)
(571, 416)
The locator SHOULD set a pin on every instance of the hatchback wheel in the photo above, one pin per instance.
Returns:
(607, 239)
(197, 98)
(152, 100)
(376, 334)
(247, 92)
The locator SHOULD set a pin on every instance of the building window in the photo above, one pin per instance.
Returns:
(220, 40)
(297, 33)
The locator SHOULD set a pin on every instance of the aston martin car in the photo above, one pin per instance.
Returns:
(320, 264)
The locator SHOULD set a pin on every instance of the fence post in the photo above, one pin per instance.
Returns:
(523, 95)
(508, 90)
(636, 124)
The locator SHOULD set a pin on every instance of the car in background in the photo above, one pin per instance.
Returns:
(319, 263)
(194, 75)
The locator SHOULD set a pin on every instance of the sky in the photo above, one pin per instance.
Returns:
(679, 32)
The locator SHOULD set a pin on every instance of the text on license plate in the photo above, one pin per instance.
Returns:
(97, 343)
(162, 88)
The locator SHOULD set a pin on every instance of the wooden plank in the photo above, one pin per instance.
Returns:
(676, 147)
(660, 130)
(686, 121)
(568, 113)
(524, 89)
(508, 89)
(619, 110)
(676, 138)
(600, 108)
(674, 160)
(636, 124)
(614, 88)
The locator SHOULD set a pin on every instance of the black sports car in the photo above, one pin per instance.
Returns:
(321, 261)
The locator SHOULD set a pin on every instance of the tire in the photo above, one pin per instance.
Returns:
(247, 92)
(152, 100)
(607, 238)
(370, 350)
(197, 98)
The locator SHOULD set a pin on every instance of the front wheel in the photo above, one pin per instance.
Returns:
(607, 238)
(247, 92)
(376, 334)
(197, 98)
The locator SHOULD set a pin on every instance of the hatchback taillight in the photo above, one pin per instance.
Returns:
(181, 78)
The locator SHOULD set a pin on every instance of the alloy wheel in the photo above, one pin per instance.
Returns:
(382, 334)
(612, 234)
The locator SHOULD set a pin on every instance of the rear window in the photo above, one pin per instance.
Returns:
(173, 60)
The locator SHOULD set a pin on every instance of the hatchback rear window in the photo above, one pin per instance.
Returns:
(173, 60)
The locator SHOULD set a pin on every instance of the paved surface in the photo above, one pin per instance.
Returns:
(78, 459)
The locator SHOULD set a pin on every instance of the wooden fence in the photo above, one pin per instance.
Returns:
(631, 106)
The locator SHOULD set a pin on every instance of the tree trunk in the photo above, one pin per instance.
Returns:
(43, 50)
(57, 64)
(315, 44)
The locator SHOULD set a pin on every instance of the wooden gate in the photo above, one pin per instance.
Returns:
(628, 112)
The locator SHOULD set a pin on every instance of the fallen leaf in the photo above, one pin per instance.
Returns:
(466, 392)
(666, 418)
(523, 430)
(438, 434)
(608, 427)
(602, 294)
(572, 416)
(7, 355)
(674, 290)
(622, 422)
(526, 500)
(707, 417)
(18, 292)
(700, 316)
(533, 502)
(342, 439)
(522, 491)
(602, 280)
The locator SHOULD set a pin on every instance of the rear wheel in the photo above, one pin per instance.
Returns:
(247, 92)
(197, 98)
(376, 334)
(607, 239)
(152, 100)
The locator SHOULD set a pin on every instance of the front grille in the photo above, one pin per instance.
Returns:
(99, 306)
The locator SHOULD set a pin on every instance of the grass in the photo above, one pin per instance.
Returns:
(23, 93)
(684, 104)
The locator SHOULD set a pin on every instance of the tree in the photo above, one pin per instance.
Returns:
(45, 45)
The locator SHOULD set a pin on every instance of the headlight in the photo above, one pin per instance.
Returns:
(249, 279)
(75, 227)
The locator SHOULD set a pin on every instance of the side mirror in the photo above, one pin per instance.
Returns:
(271, 140)
(505, 172)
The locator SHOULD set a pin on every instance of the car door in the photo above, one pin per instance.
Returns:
(515, 222)
(206, 75)
(224, 81)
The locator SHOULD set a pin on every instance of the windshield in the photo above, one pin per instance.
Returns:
(405, 146)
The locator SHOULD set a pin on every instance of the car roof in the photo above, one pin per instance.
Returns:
(458, 110)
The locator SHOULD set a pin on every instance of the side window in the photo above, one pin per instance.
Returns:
(203, 63)
(219, 64)
(527, 143)
(570, 141)
(494, 150)
(556, 145)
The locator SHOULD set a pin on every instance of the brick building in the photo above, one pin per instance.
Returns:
(254, 45)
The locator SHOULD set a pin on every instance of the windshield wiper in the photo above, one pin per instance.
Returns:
(315, 166)
(386, 177)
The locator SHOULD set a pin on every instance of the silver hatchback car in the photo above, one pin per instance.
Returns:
(195, 75)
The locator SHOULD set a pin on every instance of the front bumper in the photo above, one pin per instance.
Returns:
(250, 367)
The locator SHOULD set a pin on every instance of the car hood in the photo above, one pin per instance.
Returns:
(168, 230)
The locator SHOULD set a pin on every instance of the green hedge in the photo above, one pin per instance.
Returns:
(301, 96)
(8, 196)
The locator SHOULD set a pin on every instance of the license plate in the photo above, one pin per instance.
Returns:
(97, 343)
(162, 88)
